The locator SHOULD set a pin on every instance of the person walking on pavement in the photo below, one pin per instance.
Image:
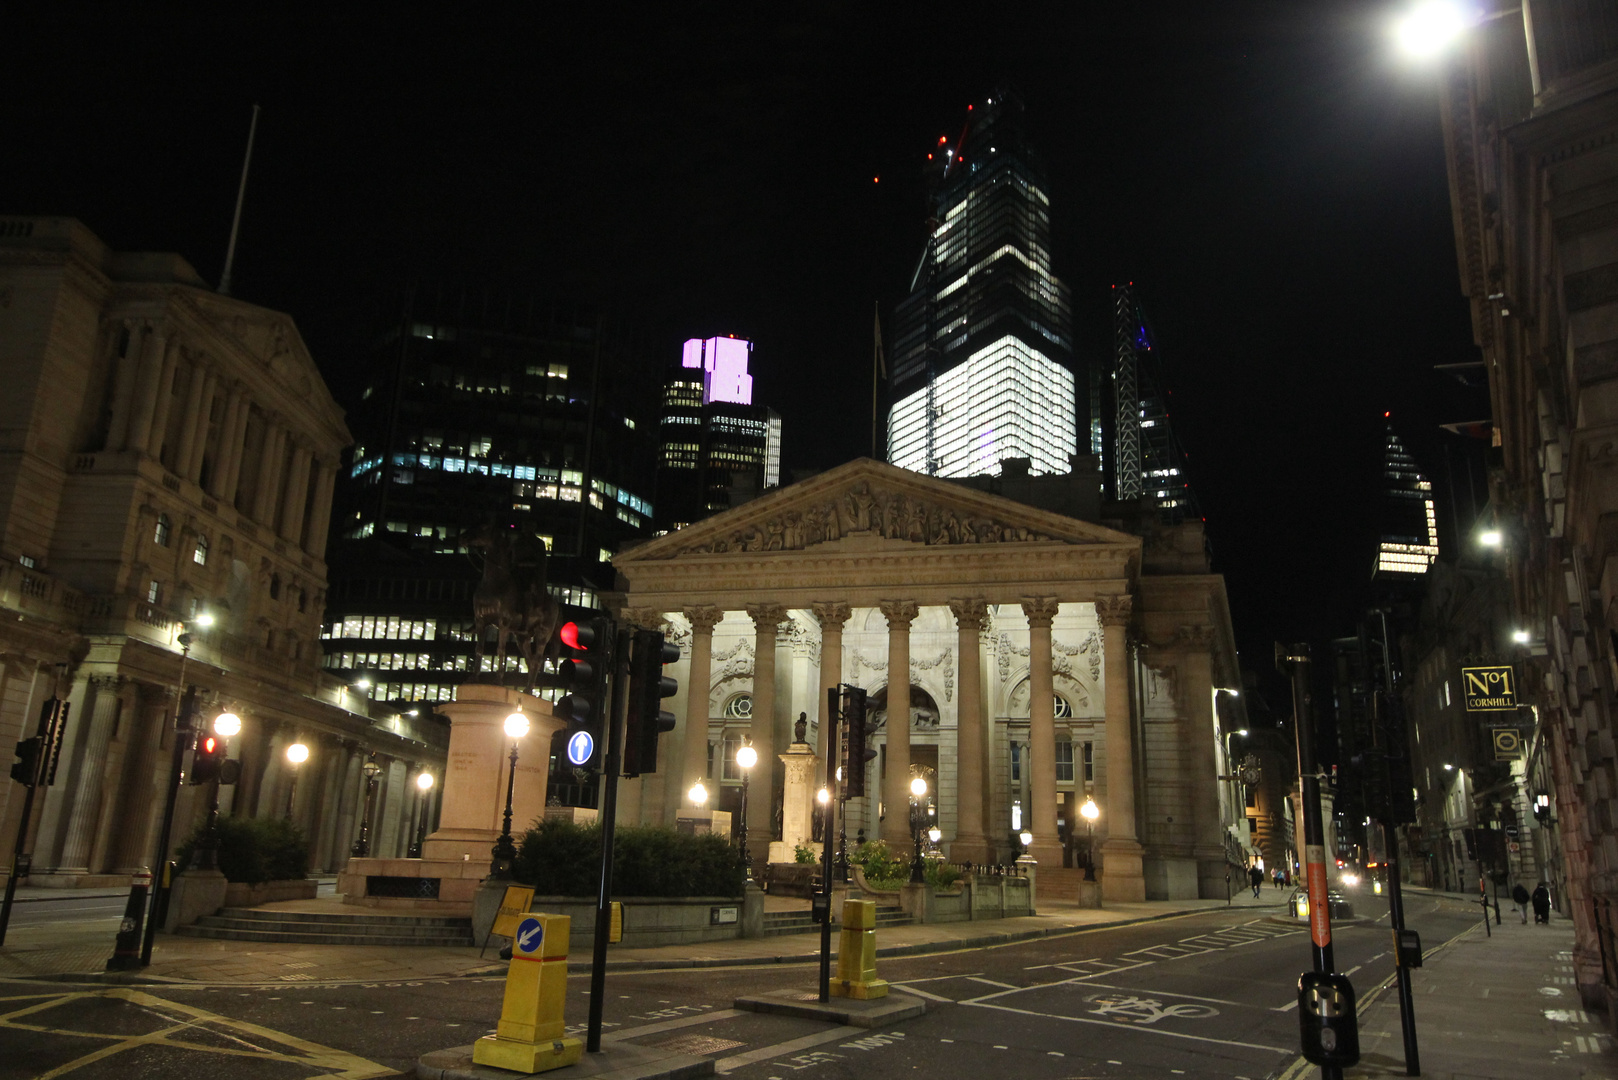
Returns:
(1542, 903)
(1519, 900)
(1256, 876)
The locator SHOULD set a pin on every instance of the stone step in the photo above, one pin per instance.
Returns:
(357, 926)
(344, 917)
(307, 937)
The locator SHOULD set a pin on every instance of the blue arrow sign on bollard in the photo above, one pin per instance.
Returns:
(530, 936)
(581, 748)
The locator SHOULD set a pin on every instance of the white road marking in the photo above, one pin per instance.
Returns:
(1353, 969)
(929, 995)
(1133, 1027)
(670, 1025)
(764, 1053)
(1170, 993)
(991, 982)
(1288, 1007)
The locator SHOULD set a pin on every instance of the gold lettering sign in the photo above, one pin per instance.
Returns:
(1489, 689)
(1507, 744)
(513, 909)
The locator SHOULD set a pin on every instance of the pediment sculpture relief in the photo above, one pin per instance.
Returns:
(889, 514)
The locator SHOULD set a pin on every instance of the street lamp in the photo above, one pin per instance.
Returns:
(746, 758)
(206, 856)
(918, 792)
(362, 846)
(297, 754)
(424, 784)
(1027, 839)
(1089, 811)
(698, 794)
(1428, 28)
(505, 852)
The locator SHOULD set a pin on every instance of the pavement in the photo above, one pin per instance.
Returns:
(1498, 1006)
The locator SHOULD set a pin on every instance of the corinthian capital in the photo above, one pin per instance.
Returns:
(1194, 637)
(899, 613)
(970, 612)
(767, 617)
(1114, 610)
(646, 618)
(1040, 610)
(831, 613)
(703, 619)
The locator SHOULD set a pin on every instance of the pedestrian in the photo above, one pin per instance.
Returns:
(1519, 900)
(1542, 903)
(1256, 876)
(1277, 877)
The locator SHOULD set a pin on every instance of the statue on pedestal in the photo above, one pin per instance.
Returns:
(513, 598)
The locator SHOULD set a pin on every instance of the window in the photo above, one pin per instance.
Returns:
(1064, 760)
(200, 554)
(28, 562)
(739, 707)
(160, 535)
(1016, 761)
(275, 586)
(1063, 711)
(303, 601)
(154, 593)
(1089, 763)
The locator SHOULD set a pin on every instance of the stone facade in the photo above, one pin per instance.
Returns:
(167, 452)
(1046, 657)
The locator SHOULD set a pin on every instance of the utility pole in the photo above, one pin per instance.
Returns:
(1390, 840)
(616, 707)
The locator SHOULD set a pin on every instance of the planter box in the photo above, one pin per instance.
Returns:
(241, 894)
(651, 920)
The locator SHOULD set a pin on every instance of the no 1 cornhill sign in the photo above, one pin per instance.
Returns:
(1489, 689)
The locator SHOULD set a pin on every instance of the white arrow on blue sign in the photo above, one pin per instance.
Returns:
(530, 936)
(581, 747)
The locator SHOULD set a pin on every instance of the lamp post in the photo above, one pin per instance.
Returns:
(362, 846)
(226, 725)
(1027, 838)
(297, 754)
(505, 852)
(424, 784)
(698, 794)
(1089, 811)
(918, 792)
(746, 758)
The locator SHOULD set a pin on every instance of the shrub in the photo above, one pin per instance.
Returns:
(802, 853)
(254, 850)
(559, 858)
(889, 872)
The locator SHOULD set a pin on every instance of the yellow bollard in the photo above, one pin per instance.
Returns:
(529, 1038)
(856, 954)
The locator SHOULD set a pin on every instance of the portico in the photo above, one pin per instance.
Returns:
(1024, 691)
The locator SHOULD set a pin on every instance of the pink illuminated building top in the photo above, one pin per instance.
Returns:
(723, 361)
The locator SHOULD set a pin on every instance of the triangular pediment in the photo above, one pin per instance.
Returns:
(870, 505)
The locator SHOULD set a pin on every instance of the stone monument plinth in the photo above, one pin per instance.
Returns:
(797, 802)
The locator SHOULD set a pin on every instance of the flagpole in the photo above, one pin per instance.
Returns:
(236, 219)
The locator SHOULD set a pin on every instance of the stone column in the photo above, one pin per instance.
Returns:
(323, 831)
(351, 789)
(694, 748)
(222, 447)
(896, 784)
(123, 395)
(123, 752)
(165, 399)
(147, 349)
(767, 619)
(1201, 742)
(1047, 846)
(268, 484)
(235, 449)
(90, 780)
(199, 442)
(1122, 878)
(320, 510)
(297, 493)
(192, 420)
(146, 711)
(832, 615)
(971, 841)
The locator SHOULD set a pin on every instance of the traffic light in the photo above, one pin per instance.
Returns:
(208, 758)
(856, 755)
(26, 770)
(585, 676)
(648, 686)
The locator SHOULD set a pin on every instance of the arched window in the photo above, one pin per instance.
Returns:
(160, 535)
(200, 554)
(739, 707)
(1063, 709)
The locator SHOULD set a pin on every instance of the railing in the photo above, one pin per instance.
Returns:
(991, 870)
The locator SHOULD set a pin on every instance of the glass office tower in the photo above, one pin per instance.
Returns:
(983, 364)
(1409, 524)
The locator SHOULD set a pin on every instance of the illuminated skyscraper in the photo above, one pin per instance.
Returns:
(983, 365)
(1409, 525)
(1143, 458)
(710, 433)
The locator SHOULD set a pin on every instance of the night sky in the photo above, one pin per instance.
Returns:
(1270, 175)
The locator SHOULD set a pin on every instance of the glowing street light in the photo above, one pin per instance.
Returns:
(698, 794)
(505, 852)
(746, 758)
(227, 725)
(1520, 637)
(1089, 811)
(424, 784)
(1431, 27)
(297, 754)
(1491, 538)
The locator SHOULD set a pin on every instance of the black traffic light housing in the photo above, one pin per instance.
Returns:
(208, 758)
(26, 769)
(856, 755)
(584, 674)
(648, 686)
(38, 755)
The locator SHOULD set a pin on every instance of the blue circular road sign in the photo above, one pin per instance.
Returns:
(581, 747)
(530, 936)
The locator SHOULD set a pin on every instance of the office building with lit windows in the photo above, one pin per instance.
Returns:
(983, 363)
(478, 409)
(711, 437)
(1409, 542)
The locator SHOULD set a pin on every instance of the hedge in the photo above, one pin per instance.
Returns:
(255, 850)
(559, 858)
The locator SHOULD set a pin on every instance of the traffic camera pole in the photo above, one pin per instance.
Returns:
(830, 721)
(615, 709)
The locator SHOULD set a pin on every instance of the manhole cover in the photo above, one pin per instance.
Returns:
(698, 1045)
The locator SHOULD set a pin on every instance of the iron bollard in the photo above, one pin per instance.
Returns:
(126, 953)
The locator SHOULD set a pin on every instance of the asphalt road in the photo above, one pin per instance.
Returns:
(1209, 995)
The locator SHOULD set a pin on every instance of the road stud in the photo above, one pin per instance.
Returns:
(529, 1038)
(856, 954)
